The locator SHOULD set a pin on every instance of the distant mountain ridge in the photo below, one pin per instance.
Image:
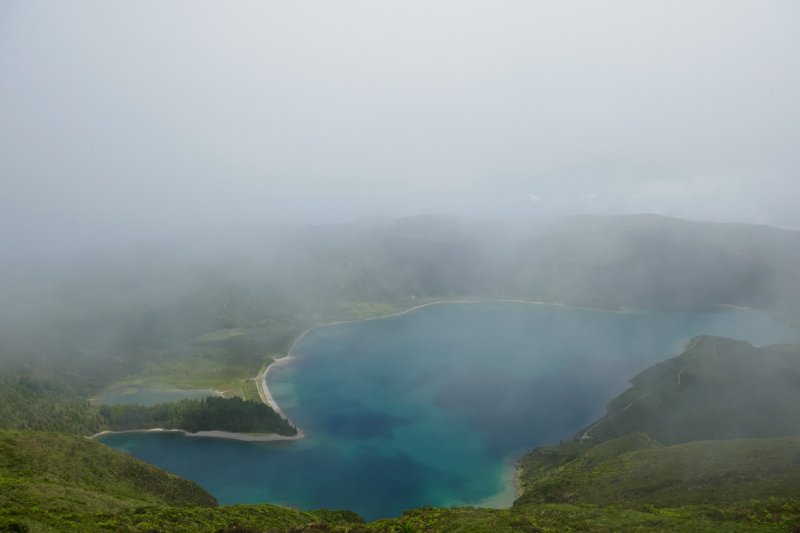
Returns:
(115, 312)
(637, 261)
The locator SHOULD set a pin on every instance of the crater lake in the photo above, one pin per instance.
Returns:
(431, 407)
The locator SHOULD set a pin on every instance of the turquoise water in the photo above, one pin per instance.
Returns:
(148, 397)
(429, 407)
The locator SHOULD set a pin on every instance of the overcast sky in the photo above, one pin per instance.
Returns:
(122, 121)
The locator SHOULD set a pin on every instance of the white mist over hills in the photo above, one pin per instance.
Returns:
(146, 120)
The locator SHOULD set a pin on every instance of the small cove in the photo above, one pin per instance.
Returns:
(430, 407)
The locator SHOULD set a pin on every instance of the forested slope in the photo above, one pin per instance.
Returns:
(715, 425)
(716, 389)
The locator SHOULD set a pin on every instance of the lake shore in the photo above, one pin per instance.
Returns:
(515, 478)
(268, 399)
(266, 396)
(214, 434)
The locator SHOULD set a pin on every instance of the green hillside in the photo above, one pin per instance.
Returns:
(54, 482)
(635, 469)
(48, 477)
(60, 482)
(57, 482)
(716, 389)
(652, 449)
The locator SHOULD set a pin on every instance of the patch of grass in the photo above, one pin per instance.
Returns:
(716, 389)
(637, 470)
(220, 335)
(249, 389)
(564, 518)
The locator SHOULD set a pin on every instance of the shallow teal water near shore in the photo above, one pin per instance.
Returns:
(429, 407)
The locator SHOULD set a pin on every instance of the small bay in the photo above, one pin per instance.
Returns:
(430, 407)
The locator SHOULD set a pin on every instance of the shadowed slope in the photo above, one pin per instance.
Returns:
(716, 389)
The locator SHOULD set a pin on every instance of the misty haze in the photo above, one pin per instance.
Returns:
(370, 267)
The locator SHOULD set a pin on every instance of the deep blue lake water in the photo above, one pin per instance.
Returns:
(430, 407)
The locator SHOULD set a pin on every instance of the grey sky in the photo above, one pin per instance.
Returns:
(138, 120)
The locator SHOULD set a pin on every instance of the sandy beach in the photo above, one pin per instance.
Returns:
(266, 396)
(269, 437)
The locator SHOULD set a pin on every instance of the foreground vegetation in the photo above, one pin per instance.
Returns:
(637, 469)
(51, 482)
(57, 482)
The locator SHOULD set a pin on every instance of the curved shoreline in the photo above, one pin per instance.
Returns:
(268, 399)
(266, 395)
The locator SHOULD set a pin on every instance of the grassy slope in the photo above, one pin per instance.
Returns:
(728, 389)
(637, 470)
(57, 482)
(60, 482)
(717, 389)
(776, 516)
(53, 474)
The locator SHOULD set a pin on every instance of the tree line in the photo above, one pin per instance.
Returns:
(30, 404)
